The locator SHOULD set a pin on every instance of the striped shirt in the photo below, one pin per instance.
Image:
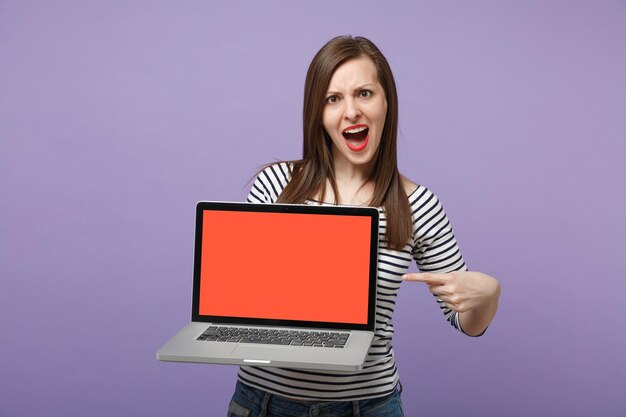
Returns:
(433, 247)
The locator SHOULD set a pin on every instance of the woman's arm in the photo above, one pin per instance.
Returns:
(473, 295)
(469, 299)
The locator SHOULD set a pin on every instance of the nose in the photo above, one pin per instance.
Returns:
(352, 111)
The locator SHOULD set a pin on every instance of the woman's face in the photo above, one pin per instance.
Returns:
(354, 111)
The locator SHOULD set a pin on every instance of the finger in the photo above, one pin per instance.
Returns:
(428, 278)
(448, 299)
(437, 290)
(440, 289)
(446, 303)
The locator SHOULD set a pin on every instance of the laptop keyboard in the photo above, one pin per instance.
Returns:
(275, 337)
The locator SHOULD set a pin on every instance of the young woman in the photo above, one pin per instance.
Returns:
(349, 158)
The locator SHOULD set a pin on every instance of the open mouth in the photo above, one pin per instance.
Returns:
(356, 137)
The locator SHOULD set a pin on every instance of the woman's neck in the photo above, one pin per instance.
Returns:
(348, 173)
(353, 185)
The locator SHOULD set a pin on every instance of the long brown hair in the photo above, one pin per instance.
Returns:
(309, 174)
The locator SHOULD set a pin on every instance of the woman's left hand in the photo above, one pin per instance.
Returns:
(461, 290)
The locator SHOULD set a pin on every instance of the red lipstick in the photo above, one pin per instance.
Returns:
(356, 137)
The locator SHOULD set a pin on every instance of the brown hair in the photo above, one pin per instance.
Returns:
(309, 174)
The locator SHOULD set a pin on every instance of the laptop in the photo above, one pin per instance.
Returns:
(281, 285)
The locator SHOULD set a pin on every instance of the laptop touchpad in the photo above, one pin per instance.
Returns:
(262, 352)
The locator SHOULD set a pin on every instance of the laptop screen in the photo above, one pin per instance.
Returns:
(286, 265)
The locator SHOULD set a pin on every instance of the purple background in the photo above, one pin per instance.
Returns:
(116, 118)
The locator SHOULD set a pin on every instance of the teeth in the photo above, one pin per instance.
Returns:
(356, 130)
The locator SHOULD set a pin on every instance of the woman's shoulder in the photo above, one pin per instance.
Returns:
(409, 186)
(279, 170)
(417, 193)
(270, 182)
(276, 172)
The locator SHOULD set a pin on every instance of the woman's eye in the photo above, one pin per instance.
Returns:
(332, 99)
(365, 93)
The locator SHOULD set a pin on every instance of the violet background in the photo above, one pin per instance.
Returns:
(116, 117)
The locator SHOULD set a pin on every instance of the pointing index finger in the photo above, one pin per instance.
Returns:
(426, 278)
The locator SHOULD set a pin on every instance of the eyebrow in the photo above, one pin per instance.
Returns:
(361, 87)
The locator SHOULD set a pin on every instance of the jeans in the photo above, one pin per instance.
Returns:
(252, 402)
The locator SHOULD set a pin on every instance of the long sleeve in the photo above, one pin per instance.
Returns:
(434, 246)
